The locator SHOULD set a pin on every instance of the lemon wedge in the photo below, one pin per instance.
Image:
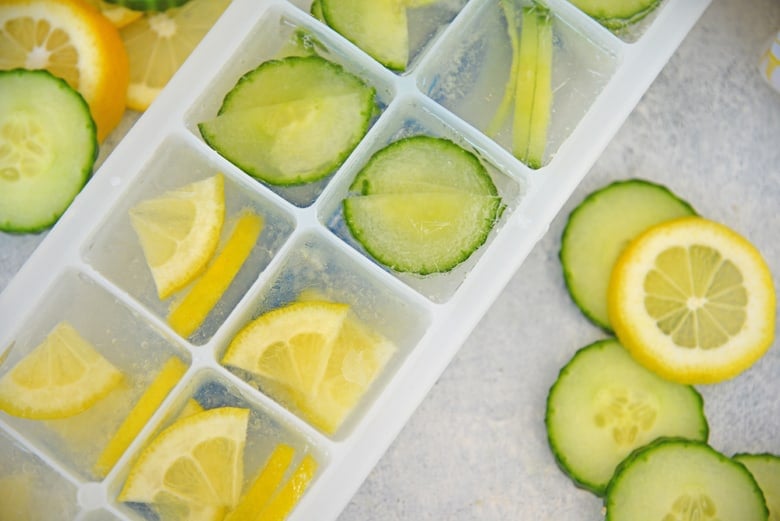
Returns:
(61, 377)
(179, 231)
(194, 468)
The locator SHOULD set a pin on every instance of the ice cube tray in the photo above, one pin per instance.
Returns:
(90, 270)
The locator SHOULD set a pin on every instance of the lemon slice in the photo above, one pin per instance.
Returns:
(358, 356)
(179, 231)
(159, 42)
(265, 484)
(188, 315)
(61, 377)
(280, 506)
(194, 468)
(74, 42)
(150, 400)
(692, 300)
(290, 345)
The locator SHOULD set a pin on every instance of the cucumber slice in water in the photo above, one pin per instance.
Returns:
(422, 205)
(600, 227)
(765, 468)
(685, 480)
(148, 5)
(379, 27)
(48, 148)
(604, 405)
(415, 165)
(616, 14)
(292, 121)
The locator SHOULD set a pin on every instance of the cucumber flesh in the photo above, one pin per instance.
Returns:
(292, 121)
(616, 14)
(422, 205)
(765, 468)
(48, 148)
(604, 405)
(599, 228)
(415, 165)
(379, 27)
(674, 479)
(148, 5)
(423, 232)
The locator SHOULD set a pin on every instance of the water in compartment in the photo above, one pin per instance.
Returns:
(412, 116)
(426, 20)
(281, 32)
(388, 326)
(207, 392)
(632, 32)
(30, 490)
(79, 441)
(471, 73)
(115, 251)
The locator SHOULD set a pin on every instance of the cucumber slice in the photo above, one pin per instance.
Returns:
(686, 480)
(422, 205)
(533, 96)
(604, 405)
(48, 147)
(148, 5)
(616, 14)
(424, 232)
(316, 10)
(765, 468)
(600, 227)
(379, 27)
(415, 165)
(292, 121)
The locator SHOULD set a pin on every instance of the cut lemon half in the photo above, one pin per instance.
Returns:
(692, 300)
(74, 41)
(290, 345)
(159, 42)
(179, 231)
(61, 377)
(194, 468)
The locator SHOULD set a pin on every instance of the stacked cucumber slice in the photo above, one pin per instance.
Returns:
(618, 429)
(422, 205)
(600, 227)
(293, 120)
(617, 406)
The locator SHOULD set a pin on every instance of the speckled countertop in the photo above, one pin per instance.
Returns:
(709, 129)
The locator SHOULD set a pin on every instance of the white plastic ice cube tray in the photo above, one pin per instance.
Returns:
(90, 270)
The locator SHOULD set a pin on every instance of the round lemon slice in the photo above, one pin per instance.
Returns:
(179, 231)
(159, 42)
(73, 41)
(692, 300)
(194, 467)
(61, 377)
